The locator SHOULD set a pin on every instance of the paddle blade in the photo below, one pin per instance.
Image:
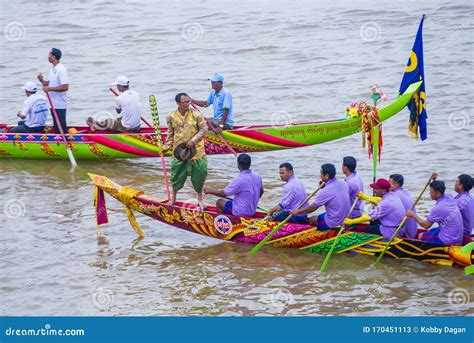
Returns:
(71, 158)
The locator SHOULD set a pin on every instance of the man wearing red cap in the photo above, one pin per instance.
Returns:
(389, 210)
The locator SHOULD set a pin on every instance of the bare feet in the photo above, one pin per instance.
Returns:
(201, 207)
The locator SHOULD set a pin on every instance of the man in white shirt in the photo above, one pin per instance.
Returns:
(57, 85)
(34, 112)
(127, 104)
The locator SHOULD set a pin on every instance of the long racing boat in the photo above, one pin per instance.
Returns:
(104, 145)
(234, 229)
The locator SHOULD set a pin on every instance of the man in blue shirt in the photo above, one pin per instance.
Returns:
(221, 101)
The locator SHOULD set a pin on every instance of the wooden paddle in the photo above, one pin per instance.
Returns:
(328, 256)
(159, 143)
(403, 221)
(68, 148)
(214, 130)
(141, 117)
(279, 226)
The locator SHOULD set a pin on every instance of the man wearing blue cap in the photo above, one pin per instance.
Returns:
(221, 101)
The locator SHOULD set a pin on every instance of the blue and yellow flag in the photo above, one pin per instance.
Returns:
(414, 72)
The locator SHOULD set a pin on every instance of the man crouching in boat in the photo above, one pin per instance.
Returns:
(34, 113)
(389, 210)
(247, 188)
(127, 104)
(335, 198)
(445, 213)
(294, 193)
(186, 131)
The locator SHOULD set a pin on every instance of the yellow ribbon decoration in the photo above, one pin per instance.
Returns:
(126, 195)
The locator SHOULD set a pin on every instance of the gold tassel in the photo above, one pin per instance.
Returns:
(133, 222)
(126, 195)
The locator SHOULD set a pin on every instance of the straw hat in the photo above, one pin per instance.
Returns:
(183, 154)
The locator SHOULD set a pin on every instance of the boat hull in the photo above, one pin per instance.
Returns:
(296, 236)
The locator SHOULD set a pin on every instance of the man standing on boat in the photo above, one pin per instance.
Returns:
(186, 131)
(445, 213)
(465, 202)
(247, 188)
(294, 193)
(127, 105)
(396, 186)
(34, 113)
(355, 184)
(389, 210)
(57, 85)
(221, 101)
(334, 197)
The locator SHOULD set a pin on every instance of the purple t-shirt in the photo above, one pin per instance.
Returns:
(390, 211)
(411, 226)
(246, 188)
(465, 203)
(294, 193)
(335, 198)
(446, 213)
(355, 186)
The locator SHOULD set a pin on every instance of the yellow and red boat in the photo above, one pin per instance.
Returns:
(234, 229)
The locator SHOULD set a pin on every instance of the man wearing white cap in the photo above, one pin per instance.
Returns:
(57, 87)
(34, 113)
(127, 104)
(221, 101)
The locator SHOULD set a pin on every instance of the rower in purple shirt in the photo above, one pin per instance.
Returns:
(247, 188)
(396, 186)
(334, 197)
(389, 211)
(465, 202)
(355, 184)
(445, 213)
(294, 193)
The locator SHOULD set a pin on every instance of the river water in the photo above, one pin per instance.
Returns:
(283, 61)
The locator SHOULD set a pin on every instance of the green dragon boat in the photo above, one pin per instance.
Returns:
(104, 145)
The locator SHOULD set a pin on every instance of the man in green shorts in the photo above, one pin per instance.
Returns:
(186, 131)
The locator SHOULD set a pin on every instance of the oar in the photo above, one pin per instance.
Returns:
(214, 130)
(328, 256)
(279, 226)
(68, 148)
(403, 222)
(142, 118)
(159, 143)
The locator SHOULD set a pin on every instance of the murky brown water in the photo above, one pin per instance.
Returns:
(305, 61)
